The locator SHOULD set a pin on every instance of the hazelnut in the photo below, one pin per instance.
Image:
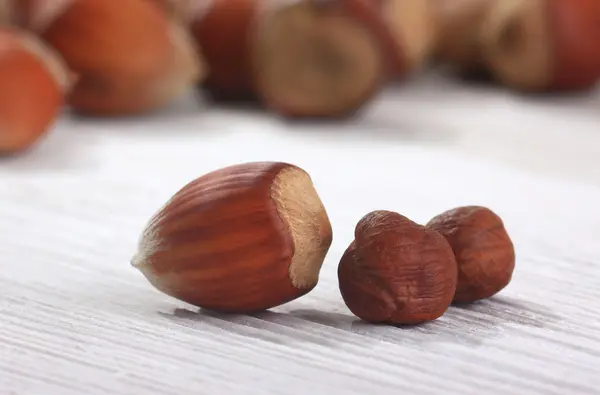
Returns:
(129, 56)
(33, 82)
(321, 58)
(484, 252)
(414, 27)
(240, 239)
(397, 271)
(543, 45)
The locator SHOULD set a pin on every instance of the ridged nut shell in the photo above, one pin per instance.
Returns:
(243, 238)
(33, 83)
(129, 56)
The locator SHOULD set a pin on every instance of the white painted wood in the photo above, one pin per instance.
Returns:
(76, 319)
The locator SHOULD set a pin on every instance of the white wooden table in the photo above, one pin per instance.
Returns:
(76, 319)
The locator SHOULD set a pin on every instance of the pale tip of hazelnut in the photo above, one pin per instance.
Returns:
(300, 207)
(51, 59)
(413, 24)
(44, 12)
(188, 65)
(148, 244)
(190, 11)
(149, 241)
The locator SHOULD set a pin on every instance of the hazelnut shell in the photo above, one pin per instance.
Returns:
(240, 239)
(543, 45)
(129, 56)
(517, 45)
(33, 82)
(320, 58)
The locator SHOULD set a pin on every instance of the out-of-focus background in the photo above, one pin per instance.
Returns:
(78, 183)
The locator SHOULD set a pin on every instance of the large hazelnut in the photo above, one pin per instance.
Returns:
(243, 238)
(129, 56)
(484, 252)
(543, 45)
(397, 271)
(33, 82)
(321, 58)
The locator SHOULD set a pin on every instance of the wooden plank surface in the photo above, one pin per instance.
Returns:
(76, 319)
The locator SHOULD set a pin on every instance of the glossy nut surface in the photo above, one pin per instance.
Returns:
(397, 271)
(484, 252)
(240, 239)
(130, 58)
(33, 83)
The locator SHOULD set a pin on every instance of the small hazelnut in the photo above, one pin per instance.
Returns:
(244, 238)
(321, 58)
(130, 57)
(484, 252)
(397, 271)
(33, 83)
(543, 45)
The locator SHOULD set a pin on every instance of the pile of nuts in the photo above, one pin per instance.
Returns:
(253, 236)
(298, 58)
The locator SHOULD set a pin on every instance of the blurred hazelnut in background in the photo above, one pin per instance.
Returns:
(526, 45)
(129, 56)
(33, 84)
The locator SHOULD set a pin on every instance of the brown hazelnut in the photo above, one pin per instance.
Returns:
(239, 239)
(33, 83)
(543, 45)
(484, 252)
(397, 271)
(321, 58)
(129, 57)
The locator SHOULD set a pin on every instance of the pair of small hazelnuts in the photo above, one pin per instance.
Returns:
(253, 236)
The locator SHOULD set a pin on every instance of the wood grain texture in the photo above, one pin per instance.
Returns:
(75, 318)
